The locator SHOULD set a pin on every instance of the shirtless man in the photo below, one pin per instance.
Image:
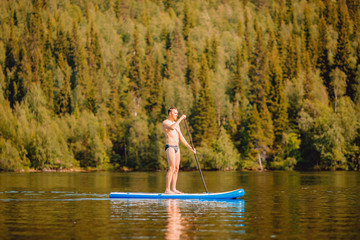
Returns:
(172, 133)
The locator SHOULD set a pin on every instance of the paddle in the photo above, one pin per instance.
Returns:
(192, 145)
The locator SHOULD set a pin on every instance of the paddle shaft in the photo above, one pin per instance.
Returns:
(187, 128)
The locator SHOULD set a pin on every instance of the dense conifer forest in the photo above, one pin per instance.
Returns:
(87, 83)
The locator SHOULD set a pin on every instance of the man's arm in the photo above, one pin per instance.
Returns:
(183, 140)
(175, 125)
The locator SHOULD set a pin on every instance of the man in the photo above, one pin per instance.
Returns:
(173, 134)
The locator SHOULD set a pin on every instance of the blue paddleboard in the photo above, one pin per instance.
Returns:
(223, 195)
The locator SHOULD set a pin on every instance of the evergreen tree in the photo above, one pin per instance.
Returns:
(11, 51)
(135, 66)
(289, 12)
(259, 86)
(247, 32)
(167, 68)
(65, 96)
(167, 4)
(323, 61)
(237, 94)
(77, 59)
(309, 39)
(114, 96)
(61, 44)
(203, 116)
(95, 48)
(190, 72)
(308, 82)
(267, 125)
(117, 8)
(277, 100)
(148, 66)
(343, 48)
(186, 20)
(292, 58)
(214, 53)
(156, 95)
(255, 133)
(23, 77)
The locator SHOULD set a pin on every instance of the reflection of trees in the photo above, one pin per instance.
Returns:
(175, 223)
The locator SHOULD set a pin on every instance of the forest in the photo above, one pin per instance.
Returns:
(86, 84)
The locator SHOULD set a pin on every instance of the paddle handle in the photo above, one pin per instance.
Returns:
(192, 145)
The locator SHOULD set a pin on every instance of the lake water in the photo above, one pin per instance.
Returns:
(276, 205)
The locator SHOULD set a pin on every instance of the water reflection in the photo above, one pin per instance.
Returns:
(186, 217)
(178, 219)
(175, 223)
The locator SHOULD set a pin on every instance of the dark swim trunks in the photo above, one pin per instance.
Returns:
(175, 147)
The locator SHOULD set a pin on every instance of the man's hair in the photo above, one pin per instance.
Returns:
(170, 109)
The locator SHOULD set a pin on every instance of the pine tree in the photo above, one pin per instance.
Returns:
(292, 58)
(114, 96)
(117, 8)
(282, 51)
(309, 39)
(49, 41)
(237, 88)
(23, 77)
(91, 102)
(289, 12)
(148, 64)
(11, 51)
(259, 86)
(323, 62)
(190, 72)
(167, 4)
(95, 48)
(61, 44)
(343, 48)
(277, 100)
(247, 33)
(135, 66)
(266, 125)
(308, 82)
(155, 100)
(255, 132)
(65, 96)
(330, 12)
(207, 52)
(186, 21)
(203, 117)
(167, 68)
(77, 59)
(214, 53)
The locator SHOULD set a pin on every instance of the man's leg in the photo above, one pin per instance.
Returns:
(175, 175)
(170, 153)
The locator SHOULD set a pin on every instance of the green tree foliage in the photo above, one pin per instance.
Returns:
(258, 71)
(203, 117)
(323, 61)
(343, 48)
(135, 65)
(277, 100)
(87, 83)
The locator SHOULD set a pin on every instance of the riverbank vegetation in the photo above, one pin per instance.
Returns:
(87, 83)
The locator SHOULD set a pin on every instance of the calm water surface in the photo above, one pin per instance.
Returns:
(276, 205)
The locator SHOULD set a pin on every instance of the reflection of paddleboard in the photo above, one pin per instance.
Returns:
(223, 195)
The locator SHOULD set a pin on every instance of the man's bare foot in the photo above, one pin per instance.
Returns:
(169, 192)
(177, 192)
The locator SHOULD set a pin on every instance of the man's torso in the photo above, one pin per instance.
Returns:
(172, 136)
